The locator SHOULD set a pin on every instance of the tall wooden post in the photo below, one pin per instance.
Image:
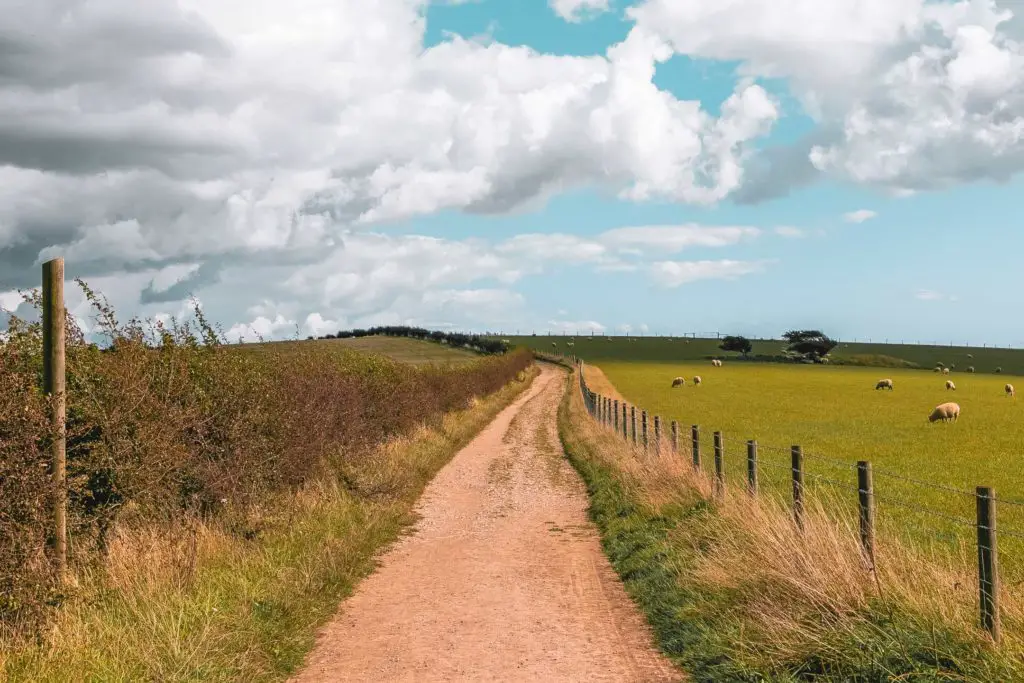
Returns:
(643, 419)
(675, 436)
(695, 445)
(719, 464)
(657, 435)
(752, 467)
(866, 500)
(988, 561)
(615, 412)
(53, 387)
(625, 427)
(798, 486)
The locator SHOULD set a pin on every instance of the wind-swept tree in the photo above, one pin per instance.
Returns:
(812, 344)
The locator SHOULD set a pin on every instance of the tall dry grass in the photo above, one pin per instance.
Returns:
(734, 579)
(167, 423)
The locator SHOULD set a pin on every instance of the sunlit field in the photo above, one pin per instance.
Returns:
(838, 417)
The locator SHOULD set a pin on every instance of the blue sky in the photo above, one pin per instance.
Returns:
(495, 165)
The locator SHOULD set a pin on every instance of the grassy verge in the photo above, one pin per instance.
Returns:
(735, 593)
(175, 604)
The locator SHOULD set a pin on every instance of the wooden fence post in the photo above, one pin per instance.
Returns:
(632, 420)
(54, 389)
(625, 428)
(675, 437)
(643, 420)
(695, 445)
(657, 435)
(988, 561)
(615, 412)
(719, 464)
(866, 497)
(798, 486)
(752, 467)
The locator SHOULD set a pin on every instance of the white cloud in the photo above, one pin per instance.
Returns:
(317, 326)
(672, 239)
(9, 301)
(788, 231)
(578, 10)
(859, 216)
(261, 327)
(908, 94)
(676, 273)
(644, 327)
(574, 326)
(932, 295)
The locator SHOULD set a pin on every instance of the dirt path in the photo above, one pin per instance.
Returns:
(502, 580)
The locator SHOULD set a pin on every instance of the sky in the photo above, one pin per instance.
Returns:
(651, 167)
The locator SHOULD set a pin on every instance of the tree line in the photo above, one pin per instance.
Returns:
(474, 342)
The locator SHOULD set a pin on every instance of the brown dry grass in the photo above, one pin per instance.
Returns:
(168, 423)
(780, 601)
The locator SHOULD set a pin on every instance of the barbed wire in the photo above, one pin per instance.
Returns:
(920, 508)
(922, 482)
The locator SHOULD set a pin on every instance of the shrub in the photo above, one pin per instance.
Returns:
(165, 421)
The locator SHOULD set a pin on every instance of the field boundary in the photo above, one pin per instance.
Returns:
(653, 437)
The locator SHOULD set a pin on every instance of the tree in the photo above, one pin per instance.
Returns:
(737, 344)
(811, 344)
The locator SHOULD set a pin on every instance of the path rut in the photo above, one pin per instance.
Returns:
(503, 578)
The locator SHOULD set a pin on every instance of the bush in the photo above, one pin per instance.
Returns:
(169, 421)
(474, 342)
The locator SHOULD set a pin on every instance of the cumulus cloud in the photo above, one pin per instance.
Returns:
(932, 295)
(906, 95)
(859, 216)
(575, 326)
(578, 10)
(676, 273)
(231, 147)
(788, 231)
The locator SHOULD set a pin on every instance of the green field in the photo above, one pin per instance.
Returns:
(835, 414)
(405, 350)
(598, 348)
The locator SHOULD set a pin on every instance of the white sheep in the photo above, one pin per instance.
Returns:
(945, 412)
(970, 368)
(678, 382)
(570, 344)
(824, 361)
(945, 371)
(884, 384)
(938, 369)
(950, 385)
(716, 363)
(1009, 390)
(970, 355)
(696, 380)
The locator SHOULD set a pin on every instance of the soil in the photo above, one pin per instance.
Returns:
(502, 579)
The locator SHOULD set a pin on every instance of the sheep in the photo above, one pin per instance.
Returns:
(505, 341)
(570, 344)
(884, 384)
(678, 382)
(696, 380)
(938, 369)
(945, 412)
(970, 355)
(950, 385)
(823, 361)
(945, 371)
(1009, 390)
(999, 369)
(716, 363)
(970, 368)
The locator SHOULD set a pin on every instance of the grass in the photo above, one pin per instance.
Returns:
(735, 593)
(405, 350)
(678, 349)
(838, 418)
(202, 603)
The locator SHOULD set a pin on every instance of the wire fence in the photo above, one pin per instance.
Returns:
(792, 472)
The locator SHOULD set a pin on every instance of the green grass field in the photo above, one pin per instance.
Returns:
(406, 350)
(836, 413)
(650, 349)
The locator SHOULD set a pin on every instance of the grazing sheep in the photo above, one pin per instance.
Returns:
(823, 361)
(505, 341)
(696, 380)
(950, 385)
(884, 384)
(999, 370)
(945, 412)
(1009, 390)
(970, 368)
(938, 369)
(945, 371)
(970, 355)
(716, 363)
(570, 344)
(678, 382)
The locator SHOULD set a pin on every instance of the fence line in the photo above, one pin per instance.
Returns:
(985, 522)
